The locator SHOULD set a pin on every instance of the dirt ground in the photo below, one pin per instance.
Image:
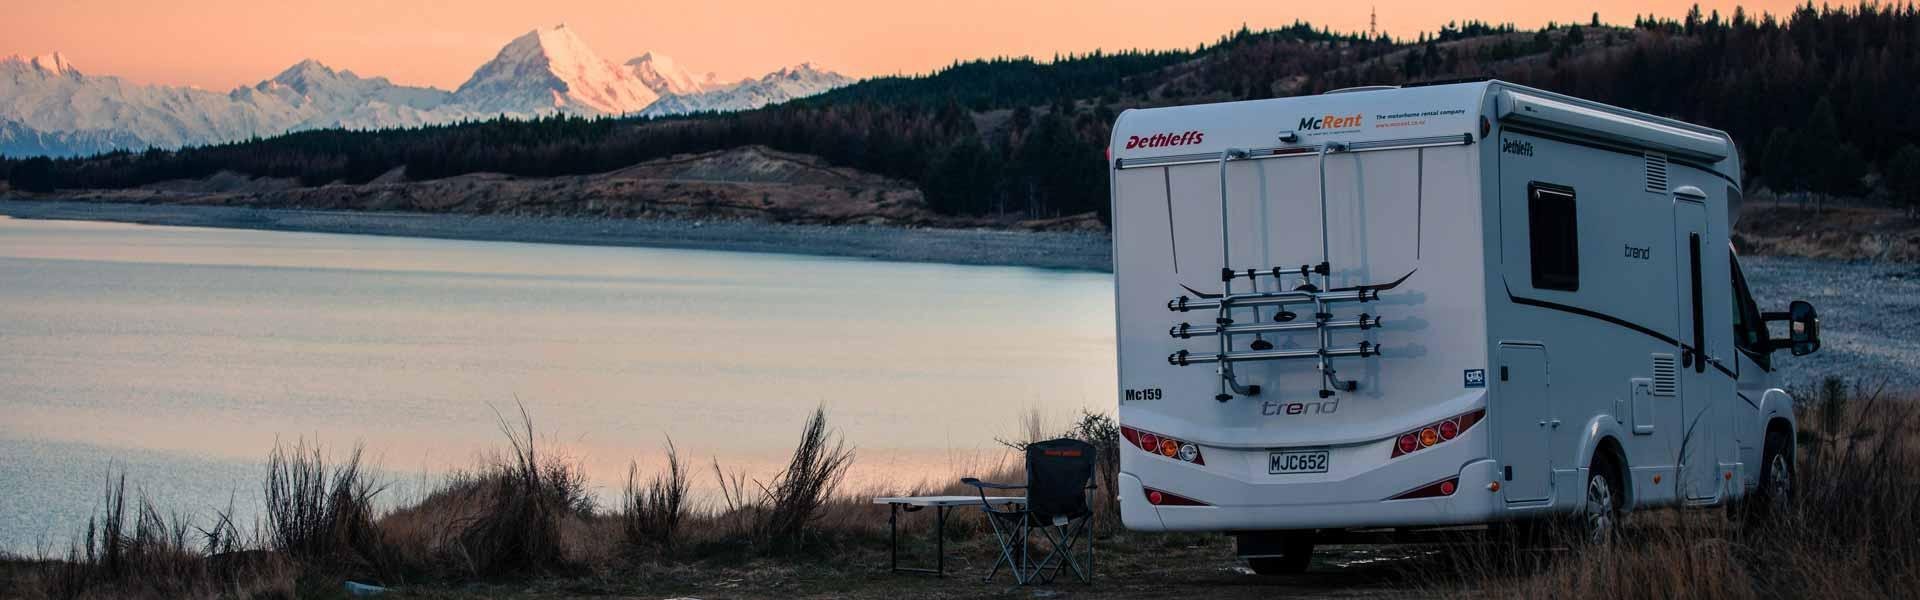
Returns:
(1126, 566)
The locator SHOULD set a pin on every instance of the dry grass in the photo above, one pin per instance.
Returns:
(656, 511)
(521, 506)
(523, 517)
(1853, 530)
(317, 513)
(135, 551)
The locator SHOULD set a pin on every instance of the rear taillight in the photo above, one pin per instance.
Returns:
(1153, 443)
(1435, 434)
(1160, 498)
(1444, 487)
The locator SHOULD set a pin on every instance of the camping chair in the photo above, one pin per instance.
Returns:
(1059, 482)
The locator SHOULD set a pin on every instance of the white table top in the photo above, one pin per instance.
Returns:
(949, 500)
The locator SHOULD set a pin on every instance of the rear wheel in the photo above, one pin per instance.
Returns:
(1600, 517)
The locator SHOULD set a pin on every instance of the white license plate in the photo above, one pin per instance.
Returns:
(1297, 461)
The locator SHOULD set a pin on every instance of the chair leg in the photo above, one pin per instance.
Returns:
(1060, 555)
(1006, 555)
(1006, 535)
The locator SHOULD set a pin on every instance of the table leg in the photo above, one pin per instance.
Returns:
(940, 543)
(893, 537)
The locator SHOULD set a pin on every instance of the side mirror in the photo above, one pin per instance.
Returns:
(1803, 328)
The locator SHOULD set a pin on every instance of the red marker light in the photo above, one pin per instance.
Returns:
(1448, 429)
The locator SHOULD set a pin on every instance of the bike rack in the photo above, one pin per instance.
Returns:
(1322, 298)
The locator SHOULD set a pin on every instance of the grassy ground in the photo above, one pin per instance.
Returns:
(522, 526)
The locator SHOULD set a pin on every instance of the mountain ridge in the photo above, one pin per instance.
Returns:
(49, 107)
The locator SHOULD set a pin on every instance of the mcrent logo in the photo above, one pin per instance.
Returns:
(1329, 122)
(1159, 140)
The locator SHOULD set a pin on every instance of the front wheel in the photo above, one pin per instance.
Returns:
(1774, 498)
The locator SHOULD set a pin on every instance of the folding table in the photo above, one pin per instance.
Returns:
(941, 505)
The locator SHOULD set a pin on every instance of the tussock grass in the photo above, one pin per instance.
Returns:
(130, 549)
(795, 497)
(523, 501)
(656, 510)
(317, 513)
(1852, 531)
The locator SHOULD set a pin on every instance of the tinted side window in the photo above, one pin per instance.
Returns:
(1749, 332)
(1555, 237)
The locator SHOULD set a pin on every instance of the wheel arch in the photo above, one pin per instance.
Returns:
(1603, 440)
(1776, 414)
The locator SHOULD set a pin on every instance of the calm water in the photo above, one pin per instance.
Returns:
(180, 355)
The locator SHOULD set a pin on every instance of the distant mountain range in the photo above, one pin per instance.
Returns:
(48, 107)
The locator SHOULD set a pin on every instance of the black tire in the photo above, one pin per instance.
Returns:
(1293, 560)
(1601, 503)
(1774, 497)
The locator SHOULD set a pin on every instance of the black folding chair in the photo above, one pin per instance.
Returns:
(1059, 485)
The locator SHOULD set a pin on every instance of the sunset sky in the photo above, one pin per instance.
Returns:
(219, 44)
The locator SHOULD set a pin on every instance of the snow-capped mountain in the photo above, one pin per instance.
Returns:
(798, 81)
(553, 69)
(21, 140)
(665, 76)
(48, 106)
(310, 95)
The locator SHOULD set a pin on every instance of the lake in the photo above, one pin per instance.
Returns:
(180, 356)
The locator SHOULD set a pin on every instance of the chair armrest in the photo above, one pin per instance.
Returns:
(990, 485)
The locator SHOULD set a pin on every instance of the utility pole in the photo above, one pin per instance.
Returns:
(1373, 22)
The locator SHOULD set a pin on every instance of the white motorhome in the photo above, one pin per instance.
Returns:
(1390, 310)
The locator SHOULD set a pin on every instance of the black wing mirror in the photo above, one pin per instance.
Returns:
(1803, 328)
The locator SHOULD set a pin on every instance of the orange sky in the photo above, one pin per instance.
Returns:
(218, 44)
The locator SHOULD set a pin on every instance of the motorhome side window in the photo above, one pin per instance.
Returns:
(1555, 238)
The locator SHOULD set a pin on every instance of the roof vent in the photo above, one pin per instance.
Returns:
(1656, 172)
(1665, 375)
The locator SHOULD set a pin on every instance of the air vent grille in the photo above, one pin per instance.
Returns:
(1656, 173)
(1665, 375)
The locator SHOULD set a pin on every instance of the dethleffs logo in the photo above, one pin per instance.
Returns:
(1329, 122)
(1165, 139)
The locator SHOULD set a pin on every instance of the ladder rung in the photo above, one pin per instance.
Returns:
(1274, 272)
(1187, 330)
(1184, 358)
(1184, 304)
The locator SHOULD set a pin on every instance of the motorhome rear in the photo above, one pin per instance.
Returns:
(1408, 308)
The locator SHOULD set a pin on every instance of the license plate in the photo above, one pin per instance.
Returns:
(1297, 461)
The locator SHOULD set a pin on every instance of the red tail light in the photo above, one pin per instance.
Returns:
(1444, 487)
(1160, 498)
(1434, 434)
(1172, 448)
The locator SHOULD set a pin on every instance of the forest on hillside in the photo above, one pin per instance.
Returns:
(1819, 100)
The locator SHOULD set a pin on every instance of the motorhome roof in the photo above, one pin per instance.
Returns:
(1382, 114)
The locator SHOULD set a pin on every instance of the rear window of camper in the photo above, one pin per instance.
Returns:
(1555, 237)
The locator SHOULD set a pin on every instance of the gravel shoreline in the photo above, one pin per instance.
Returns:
(1050, 250)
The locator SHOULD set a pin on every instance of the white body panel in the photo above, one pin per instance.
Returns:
(1417, 192)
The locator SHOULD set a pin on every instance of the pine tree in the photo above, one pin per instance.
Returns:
(1903, 178)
